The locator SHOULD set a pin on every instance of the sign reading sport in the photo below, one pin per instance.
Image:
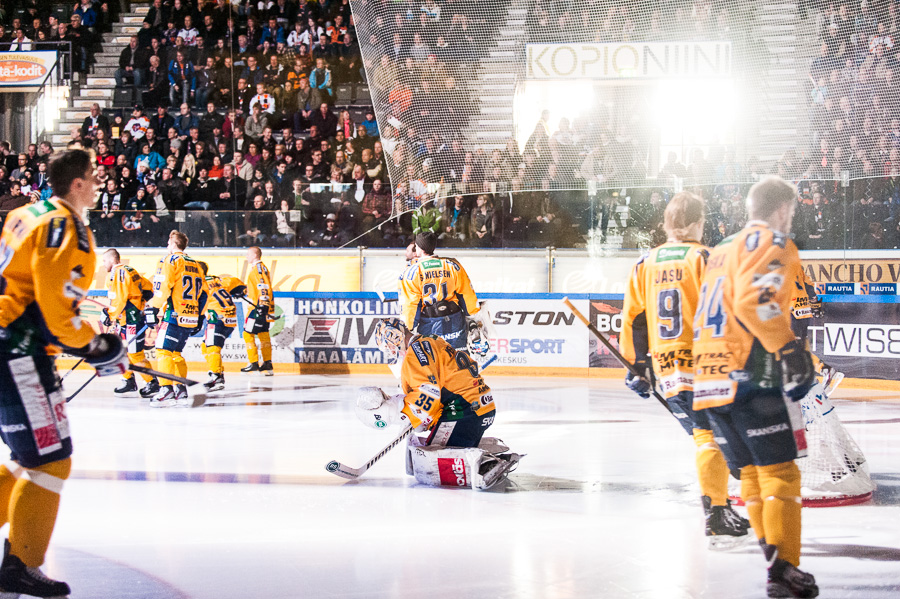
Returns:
(638, 60)
(22, 69)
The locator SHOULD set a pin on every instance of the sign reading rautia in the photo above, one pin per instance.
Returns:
(19, 69)
(647, 60)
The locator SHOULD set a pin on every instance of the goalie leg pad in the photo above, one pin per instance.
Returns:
(445, 466)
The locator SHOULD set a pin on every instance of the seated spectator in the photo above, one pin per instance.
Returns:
(256, 124)
(95, 121)
(455, 222)
(182, 81)
(148, 159)
(481, 223)
(133, 61)
(330, 236)
(157, 84)
(263, 100)
(206, 82)
(258, 223)
(320, 82)
(286, 231)
(14, 199)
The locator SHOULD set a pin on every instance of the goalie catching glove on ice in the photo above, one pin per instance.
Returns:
(443, 393)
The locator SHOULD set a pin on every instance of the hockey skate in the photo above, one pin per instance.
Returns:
(494, 469)
(252, 367)
(16, 578)
(725, 528)
(128, 385)
(786, 580)
(150, 389)
(216, 382)
(266, 368)
(181, 397)
(164, 399)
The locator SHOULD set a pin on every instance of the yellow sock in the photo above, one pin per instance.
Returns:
(214, 359)
(33, 508)
(7, 482)
(752, 500)
(712, 471)
(165, 363)
(265, 345)
(780, 490)
(139, 359)
(252, 353)
(181, 368)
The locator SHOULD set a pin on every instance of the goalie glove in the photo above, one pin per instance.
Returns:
(375, 409)
(640, 384)
(476, 342)
(798, 374)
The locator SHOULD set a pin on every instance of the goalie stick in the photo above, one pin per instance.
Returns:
(349, 473)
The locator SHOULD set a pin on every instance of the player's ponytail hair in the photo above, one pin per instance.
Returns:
(684, 210)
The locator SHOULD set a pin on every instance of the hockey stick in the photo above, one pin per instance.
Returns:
(349, 473)
(81, 388)
(196, 390)
(244, 297)
(615, 353)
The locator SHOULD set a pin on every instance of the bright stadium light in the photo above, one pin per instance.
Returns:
(689, 113)
(564, 99)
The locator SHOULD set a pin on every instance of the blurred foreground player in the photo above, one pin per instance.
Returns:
(256, 325)
(750, 372)
(442, 392)
(179, 289)
(128, 291)
(658, 320)
(221, 320)
(805, 306)
(47, 259)
(436, 296)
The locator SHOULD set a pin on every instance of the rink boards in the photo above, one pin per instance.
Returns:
(535, 334)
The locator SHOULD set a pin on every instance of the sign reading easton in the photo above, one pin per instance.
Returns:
(637, 60)
(24, 69)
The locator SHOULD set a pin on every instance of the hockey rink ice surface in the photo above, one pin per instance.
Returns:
(232, 500)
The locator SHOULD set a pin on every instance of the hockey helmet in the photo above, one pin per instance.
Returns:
(390, 337)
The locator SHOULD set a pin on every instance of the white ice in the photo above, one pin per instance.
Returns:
(604, 505)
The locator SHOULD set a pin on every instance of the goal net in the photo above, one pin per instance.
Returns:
(835, 471)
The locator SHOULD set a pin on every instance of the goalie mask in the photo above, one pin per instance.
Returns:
(390, 337)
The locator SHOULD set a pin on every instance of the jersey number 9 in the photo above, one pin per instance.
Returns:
(668, 306)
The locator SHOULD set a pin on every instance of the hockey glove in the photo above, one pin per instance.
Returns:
(151, 316)
(201, 322)
(105, 353)
(239, 292)
(798, 374)
(107, 321)
(476, 343)
(816, 308)
(639, 384)
(147, 295)
(375, 409)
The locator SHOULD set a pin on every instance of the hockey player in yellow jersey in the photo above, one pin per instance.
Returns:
(436, 296)
(750, 370)
(221, 320)
(256, 326)
(47, 263)
(658, 336)
(443, 393)
(127, 292)
(180, 291)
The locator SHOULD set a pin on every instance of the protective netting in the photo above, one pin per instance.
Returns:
(510, 95)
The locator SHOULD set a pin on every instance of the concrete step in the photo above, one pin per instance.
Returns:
(507, 43)
(122, 29)
(96, 92)
(133, 19)
(773, 28)
(770, 39)
(508, 54)
(88, 102)
(494, 134)
(104, 71)
(107, 59)
(497, 99)
(115, 38)
(60, 139)
(497, 86)
(511, 32)
(785, 17)
(94, 81)
(493, 123)
(75, 114)
(784, 7)
(495, 109)
(494, 76)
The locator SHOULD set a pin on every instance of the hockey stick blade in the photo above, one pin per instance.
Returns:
(196, 391)
(347, 472)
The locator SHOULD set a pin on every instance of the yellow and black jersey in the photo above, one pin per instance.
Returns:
(221, 306)
(259, 287)
(180, 288)
(126, 288)
(803, 293)
(744, 314)
(433, 361)
(46, 267)
(431, 281)
(658, 313)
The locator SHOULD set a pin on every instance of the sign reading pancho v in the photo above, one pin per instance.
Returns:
(637, 60)
(24, 69)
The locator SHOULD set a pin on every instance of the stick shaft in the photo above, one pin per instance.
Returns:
(615, 352)
(162, 375)
(81, 388)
